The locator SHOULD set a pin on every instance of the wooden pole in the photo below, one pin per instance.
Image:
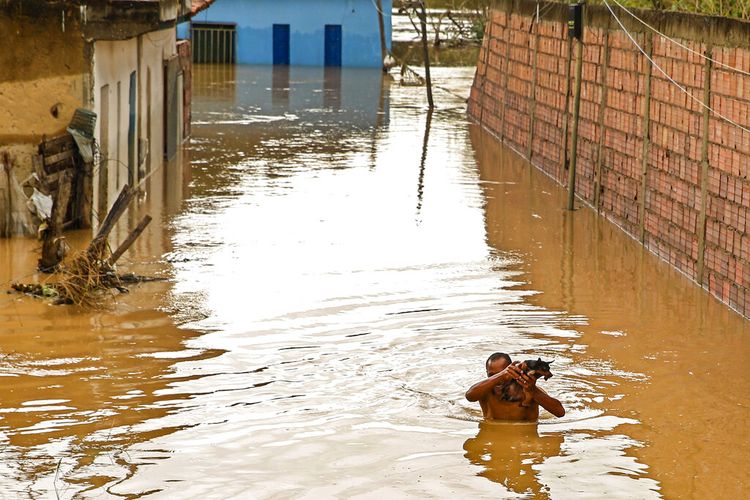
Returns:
(504, 105)
(130, 239)
(646, 142)
(602, 109)
(532, 97)
(86, 195)
(574, 138)
(426, 52)
(97, 245)
(704, 170)
(564, 162)
(381, 26)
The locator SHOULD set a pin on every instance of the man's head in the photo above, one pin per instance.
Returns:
(497, 362)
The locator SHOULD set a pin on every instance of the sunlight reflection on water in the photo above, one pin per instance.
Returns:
(336, 287)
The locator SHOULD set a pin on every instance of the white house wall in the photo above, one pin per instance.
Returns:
(114, 61)
(156, 47)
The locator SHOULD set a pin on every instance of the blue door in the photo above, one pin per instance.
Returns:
(333, 45)
(281, 44)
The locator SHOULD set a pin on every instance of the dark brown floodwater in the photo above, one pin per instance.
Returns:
(334, 287)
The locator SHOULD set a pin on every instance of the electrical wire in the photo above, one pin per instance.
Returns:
(668, 77)
(718, 63)
(377, 9)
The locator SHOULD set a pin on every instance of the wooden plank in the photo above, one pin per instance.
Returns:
(51, 182)
(37, 163)
(59, 166)
(98, 244)
(56, 144)
(86, 195)
(53, 178)
(130, 239)
(56, 158)
(53, 247)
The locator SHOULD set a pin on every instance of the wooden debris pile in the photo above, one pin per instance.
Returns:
(62, 191)
(92, 272)
(63, 175)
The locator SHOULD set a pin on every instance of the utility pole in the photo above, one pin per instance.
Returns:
(575, 30)
(422, 13)
(381, 27)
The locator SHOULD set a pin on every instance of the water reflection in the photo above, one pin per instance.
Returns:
(316, 339)
(280, 88)
(652, 339)
(509, 454)
(78, 388)
(332, 88)
(217, 82)
(423, 160)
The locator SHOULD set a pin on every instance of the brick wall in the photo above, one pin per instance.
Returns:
(642, 141)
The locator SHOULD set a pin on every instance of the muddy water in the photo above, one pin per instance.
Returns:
(340, 264)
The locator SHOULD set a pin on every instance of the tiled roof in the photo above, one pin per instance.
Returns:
(199, 5)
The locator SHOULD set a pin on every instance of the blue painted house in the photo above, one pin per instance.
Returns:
(295, 32)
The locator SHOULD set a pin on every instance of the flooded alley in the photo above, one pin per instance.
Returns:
(339, 265)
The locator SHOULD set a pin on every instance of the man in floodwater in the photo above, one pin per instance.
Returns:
(501, 369)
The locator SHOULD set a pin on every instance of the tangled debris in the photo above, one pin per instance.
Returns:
(91, 273)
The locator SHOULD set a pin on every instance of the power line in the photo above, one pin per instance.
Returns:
(718, 63)
(675, 83)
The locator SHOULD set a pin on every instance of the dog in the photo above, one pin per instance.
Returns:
(513, 391)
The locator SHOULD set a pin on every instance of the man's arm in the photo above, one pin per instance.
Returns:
(480, 390)
(549, 403)
(544, 400)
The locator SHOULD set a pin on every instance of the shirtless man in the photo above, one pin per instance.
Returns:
(500, 369)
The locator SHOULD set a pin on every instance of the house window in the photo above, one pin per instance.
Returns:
(214, 42)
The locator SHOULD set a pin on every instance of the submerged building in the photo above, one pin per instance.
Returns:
(348, 33)
(120, 62)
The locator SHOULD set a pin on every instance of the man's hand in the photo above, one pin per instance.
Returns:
(546, 401)
(512, 372)
(528, 383)
(480, 390)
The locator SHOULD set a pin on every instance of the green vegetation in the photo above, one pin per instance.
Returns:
(452, 45)
(726, 8)
(466, 55)
(455, 32)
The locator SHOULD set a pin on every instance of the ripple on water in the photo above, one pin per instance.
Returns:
(347, 296)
